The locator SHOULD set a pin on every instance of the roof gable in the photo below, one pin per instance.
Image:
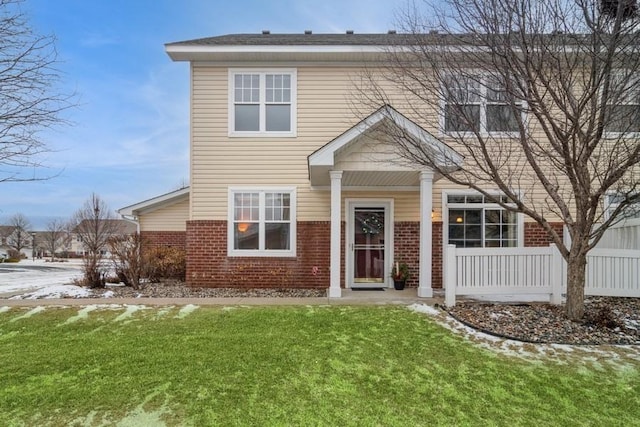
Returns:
(326, 158)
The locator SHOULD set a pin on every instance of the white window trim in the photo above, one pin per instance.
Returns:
(262, 72)
(483, 113)
(446, 206)
(608, 207)
(291, 252)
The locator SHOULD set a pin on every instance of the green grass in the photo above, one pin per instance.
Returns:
(349, 366)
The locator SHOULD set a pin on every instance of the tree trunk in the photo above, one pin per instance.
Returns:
(576, 273)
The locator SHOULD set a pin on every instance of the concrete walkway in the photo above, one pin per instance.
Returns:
(349, 297)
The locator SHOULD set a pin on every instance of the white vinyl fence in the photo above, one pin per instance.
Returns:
(535, 272)
(624, 235)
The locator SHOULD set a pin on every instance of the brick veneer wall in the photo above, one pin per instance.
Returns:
(165, 238)
(406, 239)
(209, 266)
(535, 235)
(436, 254)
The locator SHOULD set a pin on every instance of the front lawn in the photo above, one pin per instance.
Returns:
(348, 366)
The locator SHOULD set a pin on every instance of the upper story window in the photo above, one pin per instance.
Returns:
(477, 103)
(624, 113)
(262, 222)
(262, 102)
(475, 222)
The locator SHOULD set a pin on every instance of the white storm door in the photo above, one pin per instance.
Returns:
(368, 244)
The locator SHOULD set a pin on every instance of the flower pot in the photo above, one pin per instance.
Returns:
(398, 285)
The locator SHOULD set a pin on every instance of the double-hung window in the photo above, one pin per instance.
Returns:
(262, 103)
(475, 222)
(623, 114)
(262, 222)
(479, 104)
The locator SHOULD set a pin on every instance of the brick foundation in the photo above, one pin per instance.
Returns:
(209, 266)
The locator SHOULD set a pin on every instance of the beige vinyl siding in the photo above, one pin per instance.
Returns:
(171, 218)
(324, 111)
(220, 161)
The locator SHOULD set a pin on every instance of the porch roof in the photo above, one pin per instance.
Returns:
(368, 159)
(155, 203)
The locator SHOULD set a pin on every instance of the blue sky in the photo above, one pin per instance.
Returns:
(129, 139)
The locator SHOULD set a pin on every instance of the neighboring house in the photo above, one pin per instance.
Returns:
(115, 227)
(8, 235)
(290, 187)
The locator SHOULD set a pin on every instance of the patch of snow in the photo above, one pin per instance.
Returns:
(28, 275)
(186, 310)
(82, 314)
(425, 309)
(130, 309)
(29, 313)
(4, 308)
(163, 312)
(115, 285)
(632, 324)
(108, 294)
(56, 292)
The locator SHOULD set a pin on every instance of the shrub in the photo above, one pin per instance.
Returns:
(128, 263)
(165, 262)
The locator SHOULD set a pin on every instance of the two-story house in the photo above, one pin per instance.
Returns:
(294, 186)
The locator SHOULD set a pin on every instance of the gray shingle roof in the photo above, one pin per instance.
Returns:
(320, 40)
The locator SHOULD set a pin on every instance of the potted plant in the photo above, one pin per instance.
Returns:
(400, 275)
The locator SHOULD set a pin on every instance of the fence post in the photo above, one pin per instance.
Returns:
(449, 276)
(556, 275)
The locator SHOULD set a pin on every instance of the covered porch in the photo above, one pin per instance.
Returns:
(364, 160)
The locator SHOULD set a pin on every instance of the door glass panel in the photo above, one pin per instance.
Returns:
(368, 245)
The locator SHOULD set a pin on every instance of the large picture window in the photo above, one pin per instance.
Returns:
(478, 104)
(262, 222)
(262, 103)
(474, 222)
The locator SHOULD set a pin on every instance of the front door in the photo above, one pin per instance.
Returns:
(368, 244)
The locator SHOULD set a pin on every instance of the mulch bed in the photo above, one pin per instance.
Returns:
(178, 289)
(607, 320)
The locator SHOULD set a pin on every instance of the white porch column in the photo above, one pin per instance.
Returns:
(426, 235)
(336, 194)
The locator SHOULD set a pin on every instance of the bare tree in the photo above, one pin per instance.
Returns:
(54, 237)
(95, 224)
(20, 237)
(29, 102)
(540, 97)
(127, 257)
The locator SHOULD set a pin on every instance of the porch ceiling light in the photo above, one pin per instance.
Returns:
(243, 226)
(459, 219)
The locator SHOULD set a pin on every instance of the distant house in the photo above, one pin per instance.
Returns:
(290, 187)
(8, 234)
(109, 227)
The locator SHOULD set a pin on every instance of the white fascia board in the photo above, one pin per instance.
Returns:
(155, 203)
(198, 52)
(448, 154)
(274, 48)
